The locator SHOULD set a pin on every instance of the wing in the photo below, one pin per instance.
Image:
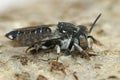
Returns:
(35, 27)
(30, 35)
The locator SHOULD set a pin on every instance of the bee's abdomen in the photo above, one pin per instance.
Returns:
(29, 37)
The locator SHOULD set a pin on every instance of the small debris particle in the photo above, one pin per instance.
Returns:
(75, 76)
(41, 77)
(1, 45)
(22, 76)
(98, 66)
(0, 51)
(55, 65)
(16, 57)
(24, 60)
(112, 77)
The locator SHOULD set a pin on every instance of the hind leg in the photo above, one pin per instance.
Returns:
(28, 48)
(33, 48)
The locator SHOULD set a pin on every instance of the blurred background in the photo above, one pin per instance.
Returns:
(45, 11)
(16, 14)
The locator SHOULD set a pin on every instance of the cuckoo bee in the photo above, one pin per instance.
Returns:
(66, 36)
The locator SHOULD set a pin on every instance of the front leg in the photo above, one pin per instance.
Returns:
(84, 54)
(94, 40)
(89, 43)
(90, 39)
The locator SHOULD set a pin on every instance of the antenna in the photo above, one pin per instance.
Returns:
(94, 23)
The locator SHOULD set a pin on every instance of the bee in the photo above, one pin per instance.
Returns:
(66, 36)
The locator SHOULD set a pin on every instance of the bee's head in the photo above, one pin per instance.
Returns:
(12, 35)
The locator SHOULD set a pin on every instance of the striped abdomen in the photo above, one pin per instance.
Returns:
(29, 36)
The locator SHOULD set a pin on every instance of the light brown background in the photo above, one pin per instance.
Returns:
(38, 12)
